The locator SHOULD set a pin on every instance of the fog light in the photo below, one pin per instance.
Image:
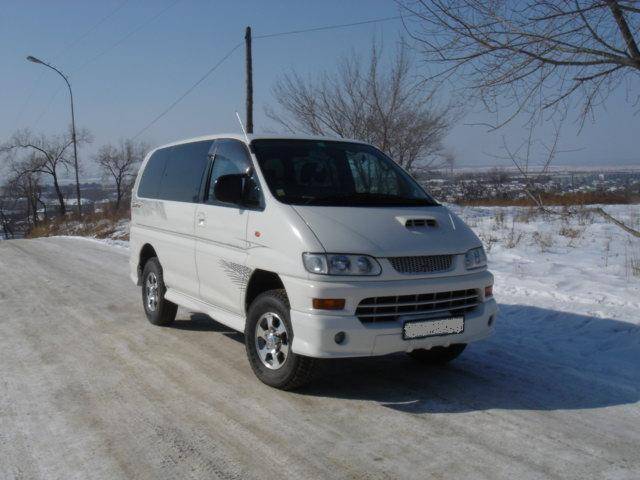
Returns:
(328, 303)
(488, 291)
(340, 337)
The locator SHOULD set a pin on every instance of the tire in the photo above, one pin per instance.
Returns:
(268, 330)
(438, 355)
(159, 311)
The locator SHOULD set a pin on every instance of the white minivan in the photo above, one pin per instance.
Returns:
(313, 247)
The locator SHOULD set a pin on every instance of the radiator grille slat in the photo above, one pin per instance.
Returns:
(390, 308)
(423, 264)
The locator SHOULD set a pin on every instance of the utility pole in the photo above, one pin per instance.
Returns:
(249, 74)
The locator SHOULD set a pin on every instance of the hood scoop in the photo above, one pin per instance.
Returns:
(418, 223)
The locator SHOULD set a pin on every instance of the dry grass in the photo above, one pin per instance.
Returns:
(544, 241)
(105, 224)
(488, 240)
(526, 215)
(632, 262)
(513, 238)
(569, 232)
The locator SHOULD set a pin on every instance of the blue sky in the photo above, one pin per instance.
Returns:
(118, 93)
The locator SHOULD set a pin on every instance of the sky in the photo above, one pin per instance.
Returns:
(129, 60)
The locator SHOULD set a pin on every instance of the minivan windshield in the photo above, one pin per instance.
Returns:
(333, 173)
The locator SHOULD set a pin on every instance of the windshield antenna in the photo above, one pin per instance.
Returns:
(242, 127)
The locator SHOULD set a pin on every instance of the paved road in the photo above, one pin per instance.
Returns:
(89, 389)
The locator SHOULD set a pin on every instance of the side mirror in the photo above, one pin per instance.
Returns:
(230, 188)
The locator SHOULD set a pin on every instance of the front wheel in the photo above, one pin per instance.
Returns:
(268, 339)
(438, 355)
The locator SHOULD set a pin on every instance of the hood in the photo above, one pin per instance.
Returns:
(389, 231)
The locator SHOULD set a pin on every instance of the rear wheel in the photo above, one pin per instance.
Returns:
(159, 311)
(438, 355)
(268, 339)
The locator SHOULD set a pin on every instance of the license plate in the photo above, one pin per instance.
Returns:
(433, 327)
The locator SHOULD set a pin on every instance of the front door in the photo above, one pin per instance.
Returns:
(221, 230)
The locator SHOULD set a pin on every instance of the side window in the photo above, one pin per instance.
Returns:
(183, 174)
(152, 176)
(231, 158)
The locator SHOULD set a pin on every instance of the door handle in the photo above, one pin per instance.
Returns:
(202, 219)
(136, 204)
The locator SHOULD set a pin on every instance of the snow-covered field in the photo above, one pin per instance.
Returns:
(569, 277)
(579, 263)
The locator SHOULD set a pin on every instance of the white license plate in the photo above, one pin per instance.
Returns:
(430, 328)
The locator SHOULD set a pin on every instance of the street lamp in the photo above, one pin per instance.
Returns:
(73, 126)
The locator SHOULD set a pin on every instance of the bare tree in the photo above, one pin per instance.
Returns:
(381, 104)
(528, 57)
(498, 177)
(25, 183)
(521, 156)
(47, 155)
(120, 163)
(7, 202)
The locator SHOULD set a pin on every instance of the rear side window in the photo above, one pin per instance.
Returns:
(185, 169)
(152, 175)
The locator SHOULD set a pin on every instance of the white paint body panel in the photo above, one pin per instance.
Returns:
(220, 244)
(199, 260)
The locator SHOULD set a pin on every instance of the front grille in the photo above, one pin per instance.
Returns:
(388, 309)
(430, 264)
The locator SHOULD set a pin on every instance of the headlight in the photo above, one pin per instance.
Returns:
(475, 258)
(340, 264)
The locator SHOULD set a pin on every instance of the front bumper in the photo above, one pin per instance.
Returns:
(314, 332)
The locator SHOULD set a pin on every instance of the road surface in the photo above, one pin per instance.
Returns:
(90, 389)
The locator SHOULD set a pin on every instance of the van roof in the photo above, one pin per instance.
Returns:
(254, 136)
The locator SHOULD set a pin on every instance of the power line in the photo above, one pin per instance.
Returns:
(66, 48)
(269, 35)
(106, 50)
(127, 36)
(329, 27)
(95, 26)
(189, 90)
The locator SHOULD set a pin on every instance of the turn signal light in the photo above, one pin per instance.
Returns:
(328, 303)
(488, 291)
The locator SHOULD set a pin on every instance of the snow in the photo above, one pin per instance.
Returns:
(111, 242)
(575, 300)
(579, 264)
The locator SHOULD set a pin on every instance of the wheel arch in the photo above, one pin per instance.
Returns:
(146, 252)
(260, 282)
